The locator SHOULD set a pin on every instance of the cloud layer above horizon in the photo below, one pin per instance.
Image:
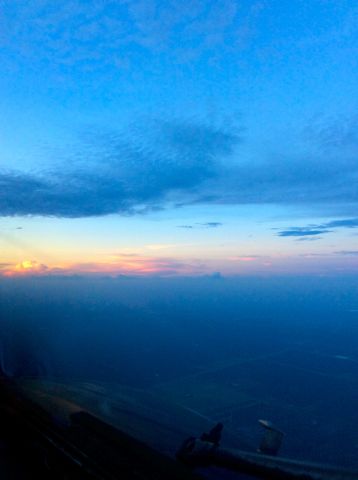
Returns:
(119, 175)
(179, 162)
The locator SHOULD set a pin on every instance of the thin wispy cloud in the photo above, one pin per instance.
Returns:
(247, 258)
(308, 239)
(301, 232)
(347, 252)
(346, 223)
(211, 224)
(338, 133)
(315, 230)
(202, 225)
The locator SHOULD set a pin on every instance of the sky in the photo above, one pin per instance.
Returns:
(171, 138)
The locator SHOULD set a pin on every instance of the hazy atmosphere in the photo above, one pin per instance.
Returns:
(179, 207)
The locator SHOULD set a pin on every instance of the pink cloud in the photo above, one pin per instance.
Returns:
(121, 264)
(26, 267)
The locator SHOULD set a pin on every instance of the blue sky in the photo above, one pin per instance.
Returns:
(188, 137)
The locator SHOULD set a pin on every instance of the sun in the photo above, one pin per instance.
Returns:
(25, 265)
(29, 266)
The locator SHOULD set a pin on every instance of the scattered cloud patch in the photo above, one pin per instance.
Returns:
(72, 35)
(337, 133)
(24, 268)
(301, 232)
(314, 230)
(211, 224)
(202, 225)
(313, 255)
(347, 252)
(247, 258)
(346, 223)
(308, 239)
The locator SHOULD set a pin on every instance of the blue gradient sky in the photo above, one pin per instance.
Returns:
(178, 137)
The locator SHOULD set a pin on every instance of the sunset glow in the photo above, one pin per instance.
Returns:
(168, 151)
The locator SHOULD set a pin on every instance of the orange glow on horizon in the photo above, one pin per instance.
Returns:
(133, 264)
(26, 267)
(137, 264)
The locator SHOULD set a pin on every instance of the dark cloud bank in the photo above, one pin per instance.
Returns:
(166, 163)
(170, 162)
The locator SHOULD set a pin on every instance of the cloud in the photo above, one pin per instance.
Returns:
(144, 170)
(155, 164)
(211, 224)
(346, 223)
(100, 36)
(313, 230)
(202, 225)
(113, 265)
(307, 239)
(347, 252)
(300, 232)
(247, 258)
(322, 174)
(338, 133)
(24, 268)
